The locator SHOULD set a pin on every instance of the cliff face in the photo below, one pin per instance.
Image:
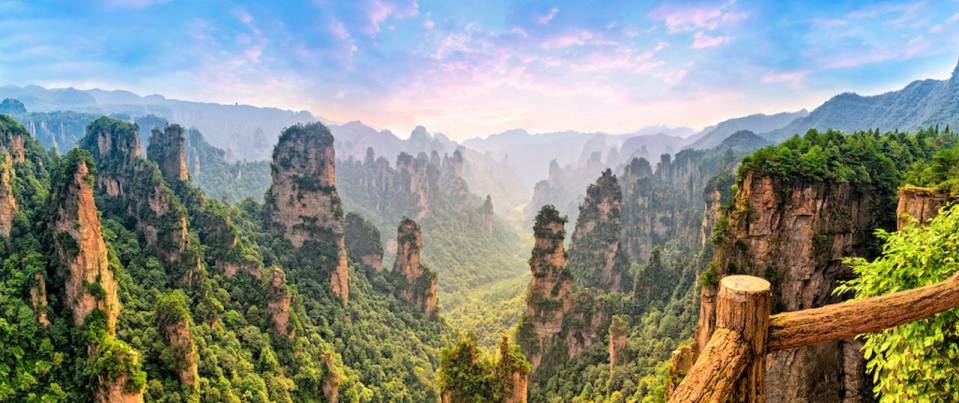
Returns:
(363, 242)
(618, 336)
(167, 150)
(77, 236)
(279, 304)
(418, 284)
(136, 188)
(919, 205)
(795, 235)
(303, 203)
(8, 202)
(549, 296)
(597, 257)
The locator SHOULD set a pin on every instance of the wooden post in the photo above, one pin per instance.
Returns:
(743, 305)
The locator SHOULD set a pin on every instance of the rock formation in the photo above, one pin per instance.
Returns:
(173, 319)
(8, 202)
(136, 189)
(363, 242)
(167, 150)
(919, 205)
(486, 213)
(418, 284)
(38, 299)
(513, 371)
(77, 237)
(279, 304)
(795, 235)
(303, 204)
(549, 296)
(597, 257)
(331, 382)
(618, 336)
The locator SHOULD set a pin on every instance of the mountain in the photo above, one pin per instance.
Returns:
(921, 104)
(757, 123)
(243, 131)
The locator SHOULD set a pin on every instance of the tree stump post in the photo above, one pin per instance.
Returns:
(743, 304)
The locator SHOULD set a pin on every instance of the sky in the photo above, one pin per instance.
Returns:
(473, 68)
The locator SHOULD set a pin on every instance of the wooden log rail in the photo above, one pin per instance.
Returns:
(732, 366)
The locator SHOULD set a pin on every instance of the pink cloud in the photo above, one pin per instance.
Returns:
(793, 78)
(577, 38)
(680, 19)
(545, 19)
(379, 10)
(703, 41)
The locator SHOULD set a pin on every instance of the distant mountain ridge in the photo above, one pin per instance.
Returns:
(922, 103)
(243, 131)
(757, 123)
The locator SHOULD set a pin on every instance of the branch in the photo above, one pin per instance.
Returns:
(714, 375)
(842, 321)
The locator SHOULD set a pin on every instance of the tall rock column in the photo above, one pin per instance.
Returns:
(597, 255)
(279, 304)
(549, 296)
(8, 202)
(167, 150)
(303, 204)
(418, 285)
(77, 238)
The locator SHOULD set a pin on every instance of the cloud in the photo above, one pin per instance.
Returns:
(577, 38)
(704, 41)
(679, 19)
(428, 24)
(379, 10)
(793, 78)
(545, 19)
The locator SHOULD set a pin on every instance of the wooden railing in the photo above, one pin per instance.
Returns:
(732, 365)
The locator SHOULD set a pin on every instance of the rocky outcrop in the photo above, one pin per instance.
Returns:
(417, 284)
(8, 202)
(618, 336)
(331, 381)
(597, 257)
(78, 241)
(167, 150)
(12, 139)
(303, 203)
(363, 242)
(38, 299)
(486, 214)
(174, 320)
(795, 236)
(919, 205)
(549, 296)
(136, 189)
(279, 305)
(513, 372)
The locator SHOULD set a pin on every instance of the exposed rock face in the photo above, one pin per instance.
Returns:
(331, 382)
(279, 304)
(919, 205)
(597, 257)
(12, 139)
(137, 189)
(38, 299)
(418, 284)
(516, 370)
(795, 236)
(549, 296)
(115, 392)
(167, 150)
(303, 203)
(486, 213)
(77, 236)
(363, 242)
(8, 202)
(618, 329)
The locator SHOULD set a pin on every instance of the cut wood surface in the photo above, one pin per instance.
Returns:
(713, 377)
(743, 304)
(841, 321)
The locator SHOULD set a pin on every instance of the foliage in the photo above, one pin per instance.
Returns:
(914, 361)
(942, 171)
(470, 375)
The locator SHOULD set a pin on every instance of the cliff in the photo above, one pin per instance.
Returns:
(78, 241)
(174, 320)
(417, 284)
(618, 336)
(363, 242)
(167, 150)
(549, 296)
(8, 201)
(302, 203)
(795, 235)
(919, 205)
(278, 304)
(134, 187)
(597, 257)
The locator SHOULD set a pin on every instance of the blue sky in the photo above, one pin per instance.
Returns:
(474, 68)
